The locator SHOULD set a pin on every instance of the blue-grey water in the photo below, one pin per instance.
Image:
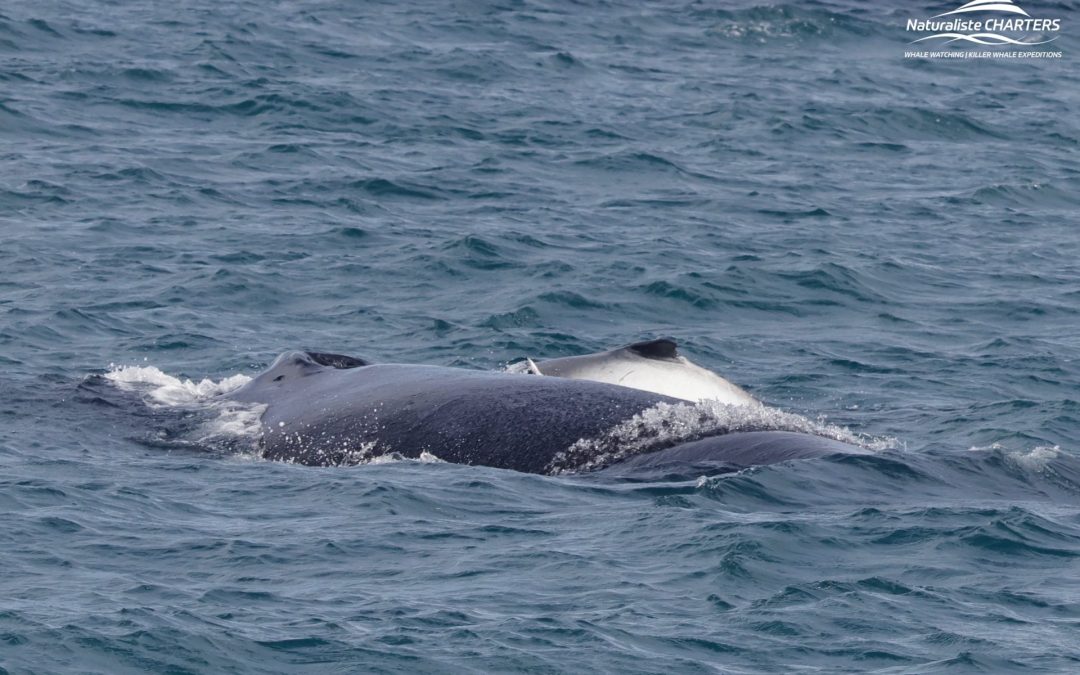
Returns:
(891, 245)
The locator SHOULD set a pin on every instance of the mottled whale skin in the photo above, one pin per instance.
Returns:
(326, 409)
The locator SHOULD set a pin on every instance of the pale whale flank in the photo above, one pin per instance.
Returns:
(653, 365)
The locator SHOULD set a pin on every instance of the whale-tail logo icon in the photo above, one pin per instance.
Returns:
(986, 6)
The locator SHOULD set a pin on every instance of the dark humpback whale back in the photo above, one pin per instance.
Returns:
(725, 453)
(319, 414)
(327, 409)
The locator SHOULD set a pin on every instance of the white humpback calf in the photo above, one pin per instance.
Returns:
(654, 365)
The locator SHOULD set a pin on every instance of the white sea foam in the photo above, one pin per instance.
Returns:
(228, 420)
(167, 390)
(395, 457)
(1033, 460)
(233, 420)
(1037, 458)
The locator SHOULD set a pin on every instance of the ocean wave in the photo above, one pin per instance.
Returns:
(887, 240)
(777, 22)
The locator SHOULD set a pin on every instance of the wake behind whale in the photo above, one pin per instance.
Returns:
(326, 409)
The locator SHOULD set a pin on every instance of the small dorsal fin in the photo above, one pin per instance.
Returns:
(336, 360)
(661, 348)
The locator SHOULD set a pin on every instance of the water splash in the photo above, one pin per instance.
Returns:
(230, 422)
(1034, 460)
(166, 390)
(666, 424)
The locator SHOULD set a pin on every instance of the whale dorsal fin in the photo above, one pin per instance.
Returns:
(339, 361)
(661, 348)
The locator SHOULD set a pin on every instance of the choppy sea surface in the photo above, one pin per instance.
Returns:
(887, 245)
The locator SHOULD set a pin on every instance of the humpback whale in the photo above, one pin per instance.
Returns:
(328, 409)
(653, 365)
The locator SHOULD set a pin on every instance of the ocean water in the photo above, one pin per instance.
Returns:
(882, 244)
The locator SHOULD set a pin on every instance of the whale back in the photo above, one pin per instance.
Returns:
(727, 453)
(328, 409)
(325, 415)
